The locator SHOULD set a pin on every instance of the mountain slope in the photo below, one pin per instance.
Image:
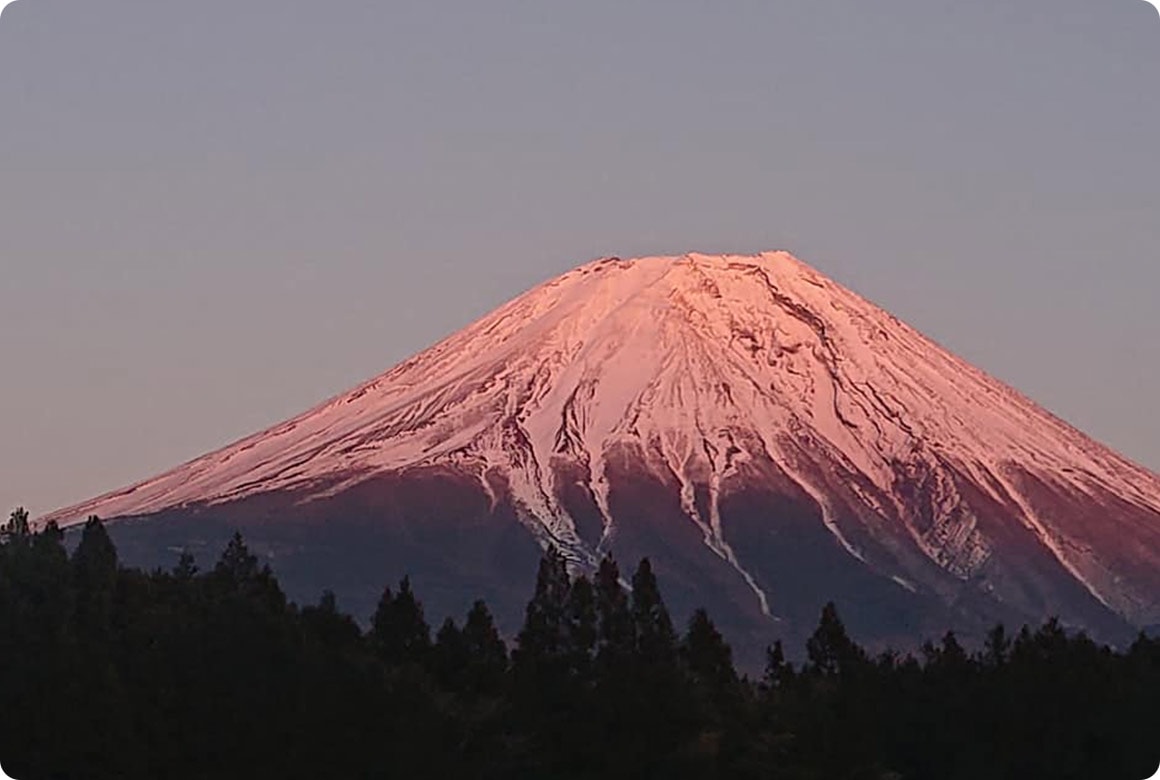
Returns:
(745, 419)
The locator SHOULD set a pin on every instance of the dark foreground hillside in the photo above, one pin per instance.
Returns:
(111, 672)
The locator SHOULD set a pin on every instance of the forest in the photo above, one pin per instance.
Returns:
(113, 672)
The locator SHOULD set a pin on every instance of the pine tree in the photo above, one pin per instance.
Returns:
(186, 568)
(237, 565)
(707, 656)
(830, 650)
(779, 673)
(657, 684)
(542, 683)
(94, 565)
(41, 672)
(542, 642)
(617, 638)
(102, 711)
(997, 648)
(489, 658)
(843, 699)
(95, 558)
(399, 632)
(52, 594)
(656, 641)
(948, 657)
(582, 633)
(450, 657)
(777, 711)
(330, 627)
(249, 649)
(238, 575)
(709, 661)
(616, 700)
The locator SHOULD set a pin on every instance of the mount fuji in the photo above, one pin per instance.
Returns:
(770, 439)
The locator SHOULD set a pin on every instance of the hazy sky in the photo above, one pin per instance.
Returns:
(215, 214)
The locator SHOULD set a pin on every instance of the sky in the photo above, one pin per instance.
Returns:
(214, 215)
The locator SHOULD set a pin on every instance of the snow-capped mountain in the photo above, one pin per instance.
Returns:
(769, 438)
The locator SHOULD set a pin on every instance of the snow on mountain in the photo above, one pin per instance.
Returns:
(723, 376)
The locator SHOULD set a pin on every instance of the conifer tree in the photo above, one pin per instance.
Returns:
(997, 648)
(399, 631)
(617, 638)
(542, 642)
(657, 683)
(616, 703)
(779, 673)
(707, 656)
(450, 657)
(94, 565)
(95, 558)
(330, 627)
(237, 565)
(582, 631)
(52, 595)
(39, 621)
(709, 661)
(543, 683)
(948, 657)
(238, 575)
(540, 658)
(102, 709)
(830, 650)
(186, 568)
(488, 653)
(656, 641)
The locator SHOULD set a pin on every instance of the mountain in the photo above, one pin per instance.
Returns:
(768, 438)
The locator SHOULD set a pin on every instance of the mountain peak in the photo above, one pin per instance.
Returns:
(725, 377)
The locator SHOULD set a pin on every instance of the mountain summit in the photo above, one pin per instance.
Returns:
(769, 438)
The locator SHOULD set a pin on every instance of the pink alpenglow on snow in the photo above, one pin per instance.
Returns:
(770, 418)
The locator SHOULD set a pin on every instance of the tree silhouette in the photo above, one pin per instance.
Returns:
(831, 651)
(709, 661)
(112, 672)
(489, 658)
(617, 636)
(17, 525)
(399, 631)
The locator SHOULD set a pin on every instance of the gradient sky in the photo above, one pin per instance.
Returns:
(215, 214)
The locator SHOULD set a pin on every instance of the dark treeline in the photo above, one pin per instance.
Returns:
(110, 672)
